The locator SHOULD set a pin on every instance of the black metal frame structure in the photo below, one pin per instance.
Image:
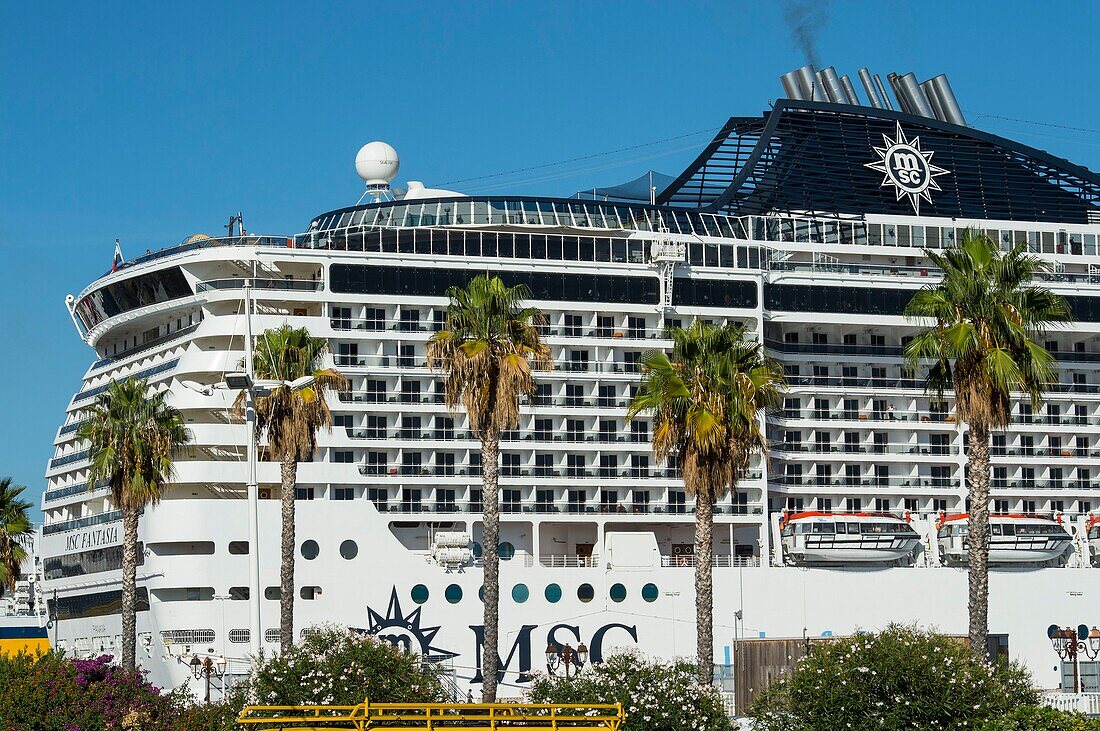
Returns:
(811, 156)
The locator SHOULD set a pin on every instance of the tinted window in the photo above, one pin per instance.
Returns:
(95, 605)
(424, 282)
(714, 293)
(146, 289)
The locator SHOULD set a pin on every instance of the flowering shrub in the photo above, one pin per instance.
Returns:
(902, 678)
(1037, 718)
(656, 696)
(333, 665)
(48, 692)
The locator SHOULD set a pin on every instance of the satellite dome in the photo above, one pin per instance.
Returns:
(377, 163)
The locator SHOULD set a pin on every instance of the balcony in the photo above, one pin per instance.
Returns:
(564, 507)
(77, 523)
(831, 448)
(80, 456)
(281, 285)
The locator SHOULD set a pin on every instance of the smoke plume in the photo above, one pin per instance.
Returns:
(805, 19)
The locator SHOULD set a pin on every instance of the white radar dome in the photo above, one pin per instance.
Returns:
(377, 163)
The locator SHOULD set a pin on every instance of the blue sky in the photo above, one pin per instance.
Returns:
(149, 122)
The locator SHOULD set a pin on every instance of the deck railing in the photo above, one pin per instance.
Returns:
(487, 716)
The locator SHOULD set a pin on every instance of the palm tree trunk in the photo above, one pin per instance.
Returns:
(979, 540)
(490, 658)
(289, 474)
(704, 586)
(129, 587)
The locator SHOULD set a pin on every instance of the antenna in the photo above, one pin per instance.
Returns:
(377, 164)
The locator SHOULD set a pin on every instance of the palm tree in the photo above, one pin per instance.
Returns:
(290, 418)
(487, 352)
(986, 318)
(132, 435)
(15, 528)
(705, 402)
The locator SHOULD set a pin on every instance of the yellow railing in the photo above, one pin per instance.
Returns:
(429, 716)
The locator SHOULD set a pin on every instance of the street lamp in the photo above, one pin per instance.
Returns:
(1069, 643)
(566, 657)
(207, 668)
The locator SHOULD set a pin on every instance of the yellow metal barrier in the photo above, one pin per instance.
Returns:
(429, 716)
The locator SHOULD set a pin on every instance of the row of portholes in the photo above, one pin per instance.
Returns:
(349, 549)
(552, 593)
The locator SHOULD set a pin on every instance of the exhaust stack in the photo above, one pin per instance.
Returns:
(869, 88)
(933, 98)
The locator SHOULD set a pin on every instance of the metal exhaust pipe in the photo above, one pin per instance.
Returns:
(933, 98)
(916, 96)
(849, 90)
(899, 93)
(806, 81)
(791, 86)
(811, 87)
(832, 86)
(883, 96)
(948, 102)
(869, 88)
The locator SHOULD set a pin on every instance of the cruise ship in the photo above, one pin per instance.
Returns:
(805, 224)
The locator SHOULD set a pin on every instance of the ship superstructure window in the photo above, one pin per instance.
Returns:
(343, 493)
(445, 500)
(433, 282)
(94, 605)
(609, 464)
(380, 496)
(303, 493)
(509, 465)
(343, 456)
(140, 291)
(87, 562)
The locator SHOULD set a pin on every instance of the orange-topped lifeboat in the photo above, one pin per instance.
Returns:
(817, 537)
(1014, 538)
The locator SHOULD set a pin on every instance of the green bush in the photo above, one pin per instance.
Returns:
(335, 666)
(1039, 718)
(656, 696)
(902, 678)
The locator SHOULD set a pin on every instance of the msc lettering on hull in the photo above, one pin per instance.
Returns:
(92, 539)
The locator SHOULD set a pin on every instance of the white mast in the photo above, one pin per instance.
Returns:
(253, 489)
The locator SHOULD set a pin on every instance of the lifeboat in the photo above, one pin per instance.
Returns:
(1014, 538)
(812, 537)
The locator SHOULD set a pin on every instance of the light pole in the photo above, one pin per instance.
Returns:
(672, 595)
(1068, 643)
(207, 668)
(566, 657)
(252, 388)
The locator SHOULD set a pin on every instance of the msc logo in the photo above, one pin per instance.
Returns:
(907, 168)
(404, 631)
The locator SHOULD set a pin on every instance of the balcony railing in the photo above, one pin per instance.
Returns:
(282, 285)
(69, 459)
(562, 507)
(841, 481)
(812, 448)
(77, 523)
(810, 414)
(721, 561)
(77, 489)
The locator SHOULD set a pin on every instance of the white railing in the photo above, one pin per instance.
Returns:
(563, 562)
(722, 561)
(1087, 703)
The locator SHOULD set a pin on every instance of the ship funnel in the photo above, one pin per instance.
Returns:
(849, 89)
(882, 92)
(950, 105)
(792, 87)
(933, 99)
(917, 100)
(869, 88)
(811, 87)
(830, 82)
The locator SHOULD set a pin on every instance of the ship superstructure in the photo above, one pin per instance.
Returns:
(805, 225)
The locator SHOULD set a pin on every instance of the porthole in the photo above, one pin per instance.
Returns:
(310, 550)
(453, 593)
(649, 592)
(420, 594)
(238, 548)
(349, 549)
(618, 592)
(506, 551)
(552, 593)
(585, 593)
(273, 593)
(476, 548)
(481, 593)
(309, 593)
(520, 593)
